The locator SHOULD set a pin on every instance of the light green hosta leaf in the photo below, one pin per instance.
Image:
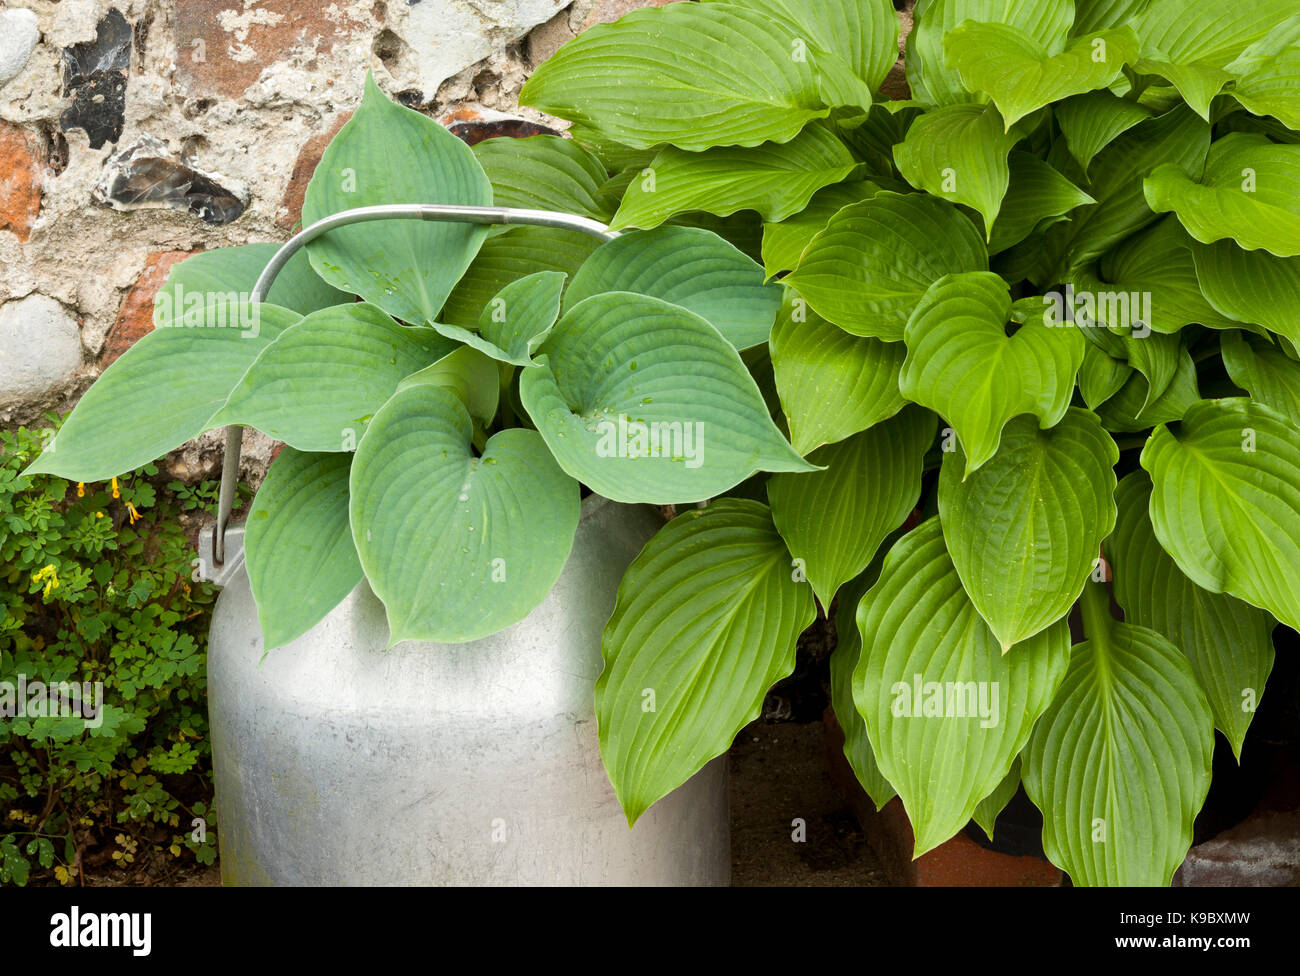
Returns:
(775, 179)
(991, 807)
(1273, 87)
(844, 659)
(543, 173)
(862, 32)
(931, 80)
(226, 275)
(1022, 72)
(959, 153)
(1156, 270)
(962, 364)
(1250, 192)
(1094, 15)
(505, 258)
(1252, 287)
(1227, 500)
(834, 520)
(1132, 408)
(1101, 376)
(390, 154)
(1120, 764)
(457, 546)
(516, 321)
(1192, 44)
(1265, 371)
(690, 267)
(706, 622)
(946, 711)
(162, 392)
(643, 401)
(680, 66)
(832, 384)
(298, 543)
(317, 386)
(784, 242)
(1037, 194)
(868, 269)
(1092, 121)
(1229, 643)
(1024, 531)
(1177, 137)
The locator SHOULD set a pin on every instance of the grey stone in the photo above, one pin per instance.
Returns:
(18, 35)
(40, 349)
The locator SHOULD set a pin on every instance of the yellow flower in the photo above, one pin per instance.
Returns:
(116, 493)
(99, 515)
(81, 489)
(50, 576)
(133, 513)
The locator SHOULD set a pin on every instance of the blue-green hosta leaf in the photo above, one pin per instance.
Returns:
(986, 814)
(1133, 409)
(868, 269)
(643, 401)
(456, 546)
(834, 520)
(1227, 500)
(516, 321)
(959, 153)
(1092, 121)
(774, 179)
(1252, 287)
(690, 267)
(317, 386)
(505, 258)
(1250, 192)
(946, 711)
(844, 660)
(706, 621)
(1229, 643)
(1265, 371)
(832, 384)
(226, 275)
(301, 558)
(1192, 45)
(1120, 764)
(862, 32)
(391, 154)
(928, 75)
(962, 364)
(544, 173)
(1022, 72)
(679, 67)
(784, 242)
(1036, 195)
(163, 391)
(1024, 530)
(473, 377)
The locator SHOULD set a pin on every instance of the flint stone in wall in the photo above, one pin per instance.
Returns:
(147, 175)
(40, 349)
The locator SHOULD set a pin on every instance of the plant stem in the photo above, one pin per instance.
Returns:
(1095, 606)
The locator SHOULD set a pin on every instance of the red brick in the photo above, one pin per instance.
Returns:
(223, 46)
(308, 159)
(136, 316)
(20, 182)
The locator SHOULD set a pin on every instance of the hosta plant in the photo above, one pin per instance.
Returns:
(952, 368)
